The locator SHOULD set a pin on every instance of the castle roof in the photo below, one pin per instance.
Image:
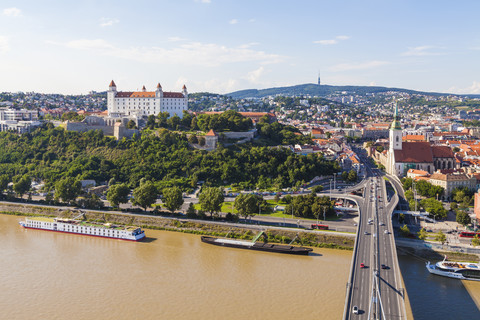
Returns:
(211, 133)
(147, 94)
(112, 84)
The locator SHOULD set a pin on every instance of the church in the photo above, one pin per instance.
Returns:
(402, 156)
(145, 103)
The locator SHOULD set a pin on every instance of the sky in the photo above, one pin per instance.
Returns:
(220, 46)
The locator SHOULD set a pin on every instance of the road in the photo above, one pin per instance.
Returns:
(377, 292)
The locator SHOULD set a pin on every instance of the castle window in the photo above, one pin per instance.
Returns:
(397, 138)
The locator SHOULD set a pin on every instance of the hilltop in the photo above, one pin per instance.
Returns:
(322, 90)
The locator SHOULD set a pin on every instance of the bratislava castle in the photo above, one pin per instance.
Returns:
(145, 103)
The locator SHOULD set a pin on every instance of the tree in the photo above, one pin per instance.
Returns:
(172, 198)
(4, 180)
(476, 241)
(434, 208)
(463, 218)
(211, 199)
(145, 195)
(317, 189)
(67, 189)
(246, 204)
(131, 124)
(191, 212)
(352, 176)
(90, 201)
(151, 121)
(404, 230)
(201, 141)
(22, 185)
(441, 237)
(118, 193)
(422, 234)
(193, 139)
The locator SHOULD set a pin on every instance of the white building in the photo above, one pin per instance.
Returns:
(145, 103)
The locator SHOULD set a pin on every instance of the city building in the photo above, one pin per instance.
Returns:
(18, 120)
(450, 181)
(419, 155)
(145, 103)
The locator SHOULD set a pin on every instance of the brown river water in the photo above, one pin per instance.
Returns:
(48, 275)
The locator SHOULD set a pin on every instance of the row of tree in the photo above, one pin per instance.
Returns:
(229, 120)
(310, 206)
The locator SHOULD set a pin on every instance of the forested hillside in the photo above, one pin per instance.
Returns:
(162, 156)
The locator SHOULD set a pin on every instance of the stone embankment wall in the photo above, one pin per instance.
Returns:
(281, 235)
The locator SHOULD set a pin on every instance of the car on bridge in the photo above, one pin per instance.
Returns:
(362, 265)
(355, 310)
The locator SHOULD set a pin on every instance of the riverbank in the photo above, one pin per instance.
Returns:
(427, 252)
(200, 227)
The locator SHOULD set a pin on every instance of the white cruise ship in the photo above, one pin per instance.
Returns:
(106, 230)
(456, 270)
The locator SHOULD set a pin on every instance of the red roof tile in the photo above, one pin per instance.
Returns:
(418, 152)
(442, 152)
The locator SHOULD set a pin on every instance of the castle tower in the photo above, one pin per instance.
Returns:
(159, 91)
(144, 89)
(184, 91)
(111, 93)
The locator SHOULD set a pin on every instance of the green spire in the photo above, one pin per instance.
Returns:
(396, 121)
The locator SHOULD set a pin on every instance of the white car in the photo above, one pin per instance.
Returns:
(386, 232)
(355, 310)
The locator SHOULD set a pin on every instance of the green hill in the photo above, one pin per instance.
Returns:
(317, 90)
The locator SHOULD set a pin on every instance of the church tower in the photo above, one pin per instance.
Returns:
(395, 132)
(395, 144)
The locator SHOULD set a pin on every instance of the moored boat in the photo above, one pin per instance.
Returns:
(456, 270)
(259, 246)
(106, 230)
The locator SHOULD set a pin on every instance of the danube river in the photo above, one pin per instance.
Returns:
(436, 297)
(48, 275)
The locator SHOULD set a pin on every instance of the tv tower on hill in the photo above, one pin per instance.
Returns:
(318, 78)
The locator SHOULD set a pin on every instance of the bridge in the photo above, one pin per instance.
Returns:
(374, 288)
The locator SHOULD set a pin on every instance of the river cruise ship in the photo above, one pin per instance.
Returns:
(456, 270)
(106, 230)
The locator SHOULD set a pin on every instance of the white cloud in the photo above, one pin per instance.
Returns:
(203, 1)
(191, 53)
(421, 51)
(358, 66)
(254, 76)
(326, 42)
(107, 22)
(4, 46)
(248, 45)
(176, 39)
(233, 21)
(12, 12)
(332, 41)
(473, 89)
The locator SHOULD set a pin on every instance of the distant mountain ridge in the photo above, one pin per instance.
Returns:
(323, 90)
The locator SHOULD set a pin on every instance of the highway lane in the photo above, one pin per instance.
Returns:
(373, 250)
